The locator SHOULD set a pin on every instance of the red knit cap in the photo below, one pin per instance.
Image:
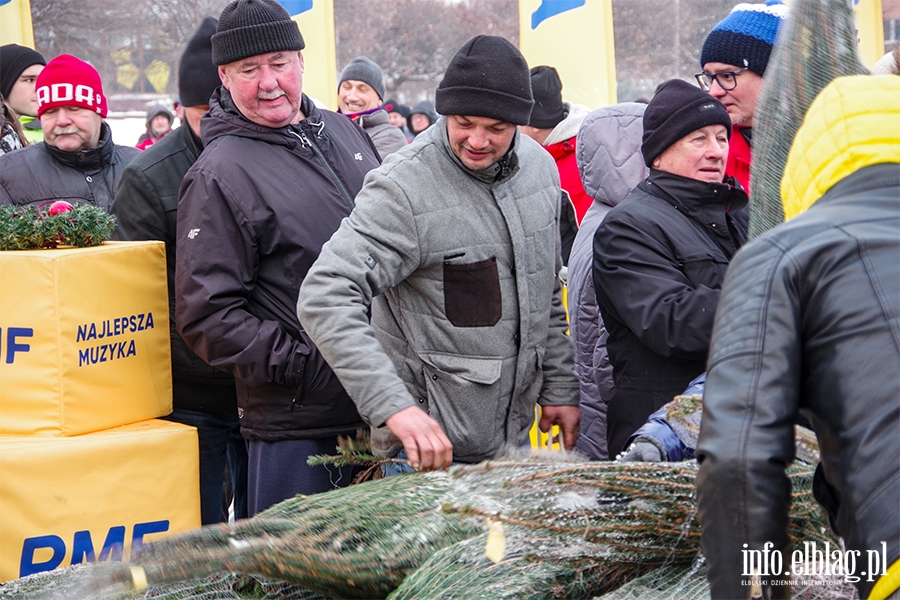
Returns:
(69, 81)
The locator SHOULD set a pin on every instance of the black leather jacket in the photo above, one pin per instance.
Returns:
(253, 214)
(808, 323)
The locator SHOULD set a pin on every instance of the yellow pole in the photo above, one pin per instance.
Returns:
(870, 28)
(575, 37)
(15, 23)
(316, 21)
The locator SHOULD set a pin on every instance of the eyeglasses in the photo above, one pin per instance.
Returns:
(727, 80)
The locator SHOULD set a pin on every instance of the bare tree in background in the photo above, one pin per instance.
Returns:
(412, 40)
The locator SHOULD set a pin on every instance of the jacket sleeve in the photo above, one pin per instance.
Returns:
(560, 383)
(138, 209)
(639, 282)
(5, 198)
(374, 249)
(214, 279)
(749, 407)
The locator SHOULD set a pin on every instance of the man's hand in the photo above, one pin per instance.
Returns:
(567, 417)
(423, 439)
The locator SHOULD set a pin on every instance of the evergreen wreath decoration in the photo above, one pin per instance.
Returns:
(54, 224)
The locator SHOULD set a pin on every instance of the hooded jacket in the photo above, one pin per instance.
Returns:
(659, 262)
(253, 214)
(610, 163)
(386, 137)
(808, 324)
(460, 268)
(42, 173)
(561, 144)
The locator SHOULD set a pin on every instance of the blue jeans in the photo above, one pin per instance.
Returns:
(221, 447)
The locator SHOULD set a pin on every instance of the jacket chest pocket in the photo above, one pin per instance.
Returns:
(704, 270)
(472, 293)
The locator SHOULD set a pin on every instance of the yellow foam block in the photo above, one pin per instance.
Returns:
(68, 500)
(84, 338)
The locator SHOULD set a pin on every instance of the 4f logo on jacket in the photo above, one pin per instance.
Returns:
(193, 233)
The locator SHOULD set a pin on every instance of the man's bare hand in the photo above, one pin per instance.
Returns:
(423, 439)
(567, 417)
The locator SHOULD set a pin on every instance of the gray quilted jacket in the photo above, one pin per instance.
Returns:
(461, 275)
(610, 162)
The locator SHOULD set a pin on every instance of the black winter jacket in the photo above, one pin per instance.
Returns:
(146, 208)
(253, 214)
(809, 323)
(660, 258)
(42, 173)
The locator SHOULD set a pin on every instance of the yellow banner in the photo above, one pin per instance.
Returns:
(575, 37)
(94, 497)
(870, 28)
(84, 338)
(316, 21)
(15, 23)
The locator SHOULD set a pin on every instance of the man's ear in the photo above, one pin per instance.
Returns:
(223, 77)
(300, 56)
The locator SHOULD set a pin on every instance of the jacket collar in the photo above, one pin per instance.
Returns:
(224, 118)
(91, 159)
(706, 204)
(498, 172)
(696, 198)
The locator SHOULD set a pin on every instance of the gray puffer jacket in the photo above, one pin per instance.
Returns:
(610, 162)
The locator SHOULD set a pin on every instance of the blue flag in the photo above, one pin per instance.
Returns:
(296, 7)
(550, 8)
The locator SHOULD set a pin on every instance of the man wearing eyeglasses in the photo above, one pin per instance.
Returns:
(734, 59)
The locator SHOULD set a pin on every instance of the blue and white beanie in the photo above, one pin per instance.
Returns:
(745, 37)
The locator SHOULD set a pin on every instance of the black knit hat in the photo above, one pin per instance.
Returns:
(14, 59)
(252, 27)
(677, 109)
(198, 77)
(548, 109)
(366, 70)
(487, 77)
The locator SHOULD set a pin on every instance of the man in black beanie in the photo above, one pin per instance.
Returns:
(276, 177)
(19, 68)
(454, 246)
(146, 207)
(660, 256)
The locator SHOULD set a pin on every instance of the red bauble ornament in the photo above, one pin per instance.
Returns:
(59, 207)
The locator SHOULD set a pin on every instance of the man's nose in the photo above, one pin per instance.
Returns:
(268, 81)
(715, 150)
(478, 140)
(63, 116)
(716, 90)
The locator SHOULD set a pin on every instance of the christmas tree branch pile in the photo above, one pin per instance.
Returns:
(54, 224)
(554, 530)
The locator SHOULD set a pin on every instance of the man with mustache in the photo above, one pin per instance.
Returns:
(276, 177)
(77, 160)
